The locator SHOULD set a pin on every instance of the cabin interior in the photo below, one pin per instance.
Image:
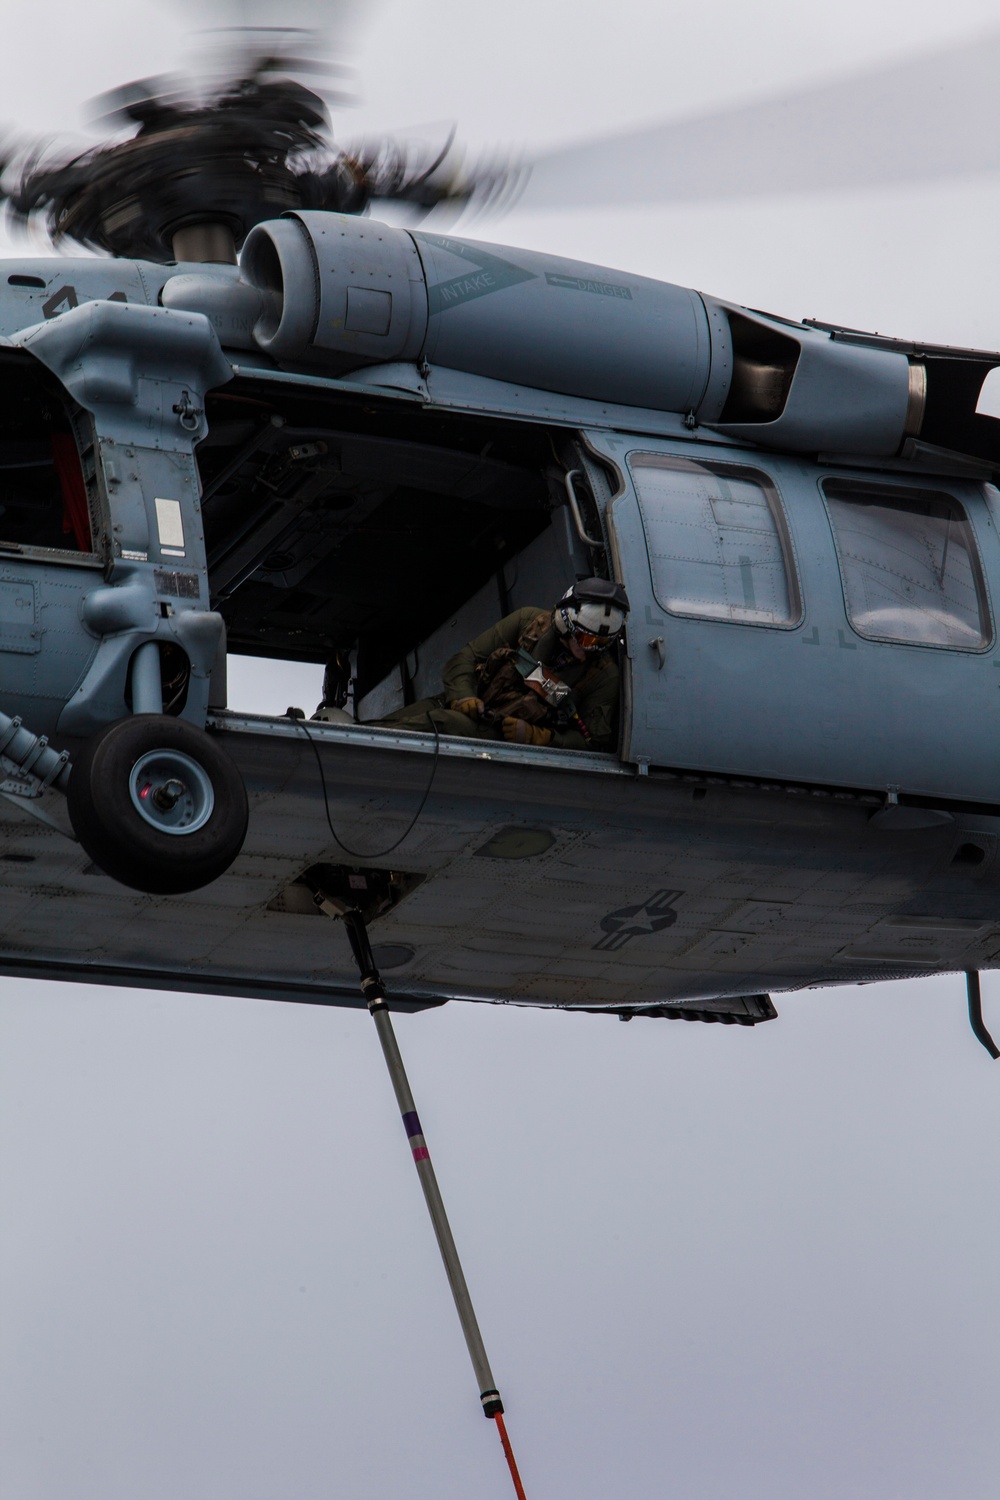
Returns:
(357, 532)
(376, 537)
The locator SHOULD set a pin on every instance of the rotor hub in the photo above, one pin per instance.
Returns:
(195, 179)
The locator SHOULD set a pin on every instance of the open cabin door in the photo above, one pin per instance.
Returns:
(807, 624)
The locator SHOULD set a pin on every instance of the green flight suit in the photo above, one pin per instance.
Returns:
(596, 704)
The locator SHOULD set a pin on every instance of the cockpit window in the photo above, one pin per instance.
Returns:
(717, 541)
(43, 494)
(909, 565)
(43, 502)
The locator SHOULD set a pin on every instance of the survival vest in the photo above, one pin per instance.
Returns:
(512, 683)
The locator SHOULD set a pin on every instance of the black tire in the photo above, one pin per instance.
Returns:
(105, 810)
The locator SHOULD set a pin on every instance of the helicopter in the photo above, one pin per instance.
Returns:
(580, 489)
(361, 443)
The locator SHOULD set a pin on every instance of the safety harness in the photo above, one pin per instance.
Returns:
(513, 683)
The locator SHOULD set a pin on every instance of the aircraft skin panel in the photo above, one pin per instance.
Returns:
(816, 696)
(633, 890)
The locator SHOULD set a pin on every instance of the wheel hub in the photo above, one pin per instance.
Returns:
(171, 791)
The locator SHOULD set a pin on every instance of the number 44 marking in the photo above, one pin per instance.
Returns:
(64, 298)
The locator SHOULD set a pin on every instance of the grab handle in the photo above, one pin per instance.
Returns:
(574, 506)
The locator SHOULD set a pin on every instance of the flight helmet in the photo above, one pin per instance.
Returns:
(593, 612)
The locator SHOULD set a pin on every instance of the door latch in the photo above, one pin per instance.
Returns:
(656, 644)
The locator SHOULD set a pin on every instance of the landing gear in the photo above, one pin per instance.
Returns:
(157, 804)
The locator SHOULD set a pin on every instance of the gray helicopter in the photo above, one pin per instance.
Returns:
(264, 421)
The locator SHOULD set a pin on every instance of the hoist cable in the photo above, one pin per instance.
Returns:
(360, 853)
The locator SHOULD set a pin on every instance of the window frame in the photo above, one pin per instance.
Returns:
(644, 458)
(894, 492)
(83, 432)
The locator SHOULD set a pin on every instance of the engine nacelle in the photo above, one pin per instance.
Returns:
(341, 292)
(344, 292)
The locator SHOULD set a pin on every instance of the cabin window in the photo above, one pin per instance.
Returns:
(43, 501)
(718, 544)
(909, 566)
(43, 493)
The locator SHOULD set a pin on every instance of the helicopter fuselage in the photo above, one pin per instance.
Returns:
(366, 445)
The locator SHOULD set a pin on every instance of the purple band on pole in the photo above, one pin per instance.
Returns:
(411, 1123)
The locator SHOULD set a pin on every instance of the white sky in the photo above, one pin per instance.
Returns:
(708, 1262)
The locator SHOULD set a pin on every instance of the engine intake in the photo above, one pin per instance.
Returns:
(338, 290)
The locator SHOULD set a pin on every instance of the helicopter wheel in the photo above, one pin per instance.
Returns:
(157, 804)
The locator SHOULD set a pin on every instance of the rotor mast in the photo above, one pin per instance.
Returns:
(212, 243)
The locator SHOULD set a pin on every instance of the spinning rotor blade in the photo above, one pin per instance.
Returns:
(935, 116)
(197, 159)
(245, 135)
(235, 37)
(333, 26)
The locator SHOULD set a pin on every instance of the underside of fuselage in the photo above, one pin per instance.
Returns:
(553, 879)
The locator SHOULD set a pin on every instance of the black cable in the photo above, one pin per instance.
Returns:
(976, 1013)
(381, 853)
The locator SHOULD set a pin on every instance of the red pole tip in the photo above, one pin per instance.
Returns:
(509, 1455)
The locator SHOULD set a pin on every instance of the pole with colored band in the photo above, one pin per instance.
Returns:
(374, 993)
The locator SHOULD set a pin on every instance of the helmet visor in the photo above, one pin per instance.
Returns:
(591, 642)
(593, 627)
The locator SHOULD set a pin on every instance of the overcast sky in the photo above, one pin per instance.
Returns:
(709, 1263)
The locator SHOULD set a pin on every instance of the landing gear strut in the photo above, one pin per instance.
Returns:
(374, 992)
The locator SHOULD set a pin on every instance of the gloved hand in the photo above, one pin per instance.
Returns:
(471, 706)
(521, 733)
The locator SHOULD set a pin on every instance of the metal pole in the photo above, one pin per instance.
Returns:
(374, 992)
